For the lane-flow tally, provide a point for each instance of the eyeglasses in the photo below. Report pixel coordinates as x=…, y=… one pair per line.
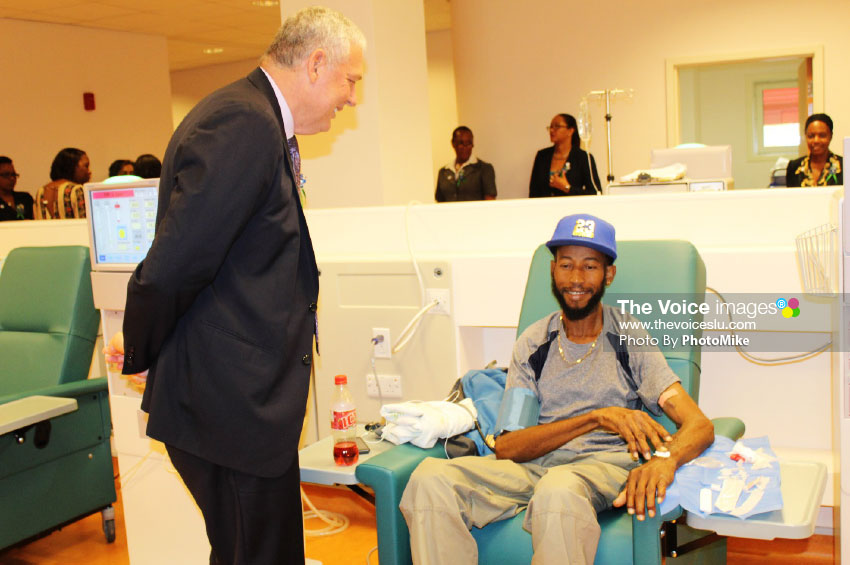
x=9, y=175
x=550, y=128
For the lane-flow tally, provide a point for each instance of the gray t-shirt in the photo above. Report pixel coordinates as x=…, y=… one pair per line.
x=565, y=389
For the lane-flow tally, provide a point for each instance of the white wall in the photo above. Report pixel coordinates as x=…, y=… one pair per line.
x=379, y=152
x=518, y=65
x=46, y=68
x=746, y=238
x=189, y=86
x=442, y=99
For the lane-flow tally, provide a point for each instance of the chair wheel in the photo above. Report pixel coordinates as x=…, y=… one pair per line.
x=108, y=519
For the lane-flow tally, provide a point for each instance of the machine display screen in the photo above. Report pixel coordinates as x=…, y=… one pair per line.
x=122, y=219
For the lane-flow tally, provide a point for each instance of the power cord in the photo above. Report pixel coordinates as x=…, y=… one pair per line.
x=772, y=361
x=410, y=329
x=336, y=522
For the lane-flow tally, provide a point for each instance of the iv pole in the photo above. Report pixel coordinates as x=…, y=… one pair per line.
x=608, y=94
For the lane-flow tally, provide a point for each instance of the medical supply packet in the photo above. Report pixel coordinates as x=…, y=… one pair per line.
x=731, y=478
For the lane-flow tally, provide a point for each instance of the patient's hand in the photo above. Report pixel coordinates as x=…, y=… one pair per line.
x=644, y=484
x=634, y=426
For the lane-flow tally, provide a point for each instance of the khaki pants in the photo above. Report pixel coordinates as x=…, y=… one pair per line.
x=562, y=491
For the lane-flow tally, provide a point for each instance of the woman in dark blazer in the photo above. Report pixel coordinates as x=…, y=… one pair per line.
x=563, y=169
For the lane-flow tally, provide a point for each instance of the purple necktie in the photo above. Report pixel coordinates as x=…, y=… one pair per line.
x=292, y=142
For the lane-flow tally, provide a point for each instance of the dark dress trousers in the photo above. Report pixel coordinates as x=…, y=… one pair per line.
x=578, y=177
x=222, y=309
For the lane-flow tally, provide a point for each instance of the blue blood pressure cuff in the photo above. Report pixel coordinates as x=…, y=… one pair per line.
x=519, y=410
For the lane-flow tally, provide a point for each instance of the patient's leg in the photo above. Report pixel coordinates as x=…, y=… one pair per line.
x=562, y=513
x=445, y=498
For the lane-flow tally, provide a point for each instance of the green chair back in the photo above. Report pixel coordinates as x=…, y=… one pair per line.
x=48, y=322
x=646, y=271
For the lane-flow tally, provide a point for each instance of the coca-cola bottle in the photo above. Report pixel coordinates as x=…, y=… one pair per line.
x=343, y=423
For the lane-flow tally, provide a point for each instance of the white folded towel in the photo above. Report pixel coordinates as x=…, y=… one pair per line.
x=421, y=423
x=672, y=172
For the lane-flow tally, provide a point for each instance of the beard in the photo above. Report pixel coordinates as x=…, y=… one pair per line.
x=575, y=314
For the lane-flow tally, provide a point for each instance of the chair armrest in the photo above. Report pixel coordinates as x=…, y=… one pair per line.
x=31, y=410
x=387, y=474
x=733, y=428
x=71, y=389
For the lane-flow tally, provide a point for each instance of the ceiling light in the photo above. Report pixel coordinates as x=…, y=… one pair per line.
x=265, y=3
x=213, y=50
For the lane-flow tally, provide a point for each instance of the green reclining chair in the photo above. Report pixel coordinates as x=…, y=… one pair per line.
x=662, y=268
x=55, y=458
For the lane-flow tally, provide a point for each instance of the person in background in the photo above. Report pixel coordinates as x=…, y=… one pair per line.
x=564, y=169
x=63, y=196
x=468, y=177
x=121, y=167
x=13, y=205
x=147, y=166
x=221, y=313
x=821, y=167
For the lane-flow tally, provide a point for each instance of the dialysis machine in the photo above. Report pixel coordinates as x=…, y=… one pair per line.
x=160, y=515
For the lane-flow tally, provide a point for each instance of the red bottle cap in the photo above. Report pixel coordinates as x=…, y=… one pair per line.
x=340, y=380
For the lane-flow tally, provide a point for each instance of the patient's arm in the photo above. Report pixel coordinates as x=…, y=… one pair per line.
x=634, y=426
x=651, y=479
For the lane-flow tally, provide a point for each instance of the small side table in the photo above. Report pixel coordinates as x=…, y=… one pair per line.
x=802, y=487
x=317, y=463
x=318, y=467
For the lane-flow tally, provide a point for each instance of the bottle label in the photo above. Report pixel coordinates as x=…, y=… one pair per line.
x=344, y=420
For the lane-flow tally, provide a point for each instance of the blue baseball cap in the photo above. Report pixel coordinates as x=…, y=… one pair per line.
x=587, y=231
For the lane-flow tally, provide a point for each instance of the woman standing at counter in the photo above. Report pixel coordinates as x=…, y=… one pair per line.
x=565, y=168
x=821, y=167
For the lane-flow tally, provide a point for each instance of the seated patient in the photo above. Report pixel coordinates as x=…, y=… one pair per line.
x=585, y=452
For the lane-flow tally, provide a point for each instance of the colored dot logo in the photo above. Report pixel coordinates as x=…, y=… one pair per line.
x=788, y=308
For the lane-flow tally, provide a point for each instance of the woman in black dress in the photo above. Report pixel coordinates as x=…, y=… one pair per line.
x=821, y=167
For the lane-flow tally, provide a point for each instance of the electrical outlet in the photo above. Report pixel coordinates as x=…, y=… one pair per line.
x=441, y=295
x=381, y=349
x=390, y=386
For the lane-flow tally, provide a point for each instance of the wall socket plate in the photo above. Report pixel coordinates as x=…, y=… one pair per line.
x=382, y=349
x=390, y=386
x=441, y=295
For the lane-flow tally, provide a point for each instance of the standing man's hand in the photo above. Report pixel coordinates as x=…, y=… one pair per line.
x=113, y=353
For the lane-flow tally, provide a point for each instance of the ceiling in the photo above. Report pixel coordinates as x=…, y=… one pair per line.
x=240, y=29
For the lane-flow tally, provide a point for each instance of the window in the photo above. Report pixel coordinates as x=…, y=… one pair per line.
x=780, y=125
x=777, y=117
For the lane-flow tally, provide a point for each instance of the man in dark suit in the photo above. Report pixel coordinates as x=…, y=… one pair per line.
x=222, y=311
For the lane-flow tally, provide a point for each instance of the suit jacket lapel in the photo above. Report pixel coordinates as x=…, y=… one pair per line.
x=258, y=78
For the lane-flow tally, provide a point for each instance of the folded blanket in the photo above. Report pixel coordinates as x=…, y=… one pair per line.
x=672, y=172
x=421, y=423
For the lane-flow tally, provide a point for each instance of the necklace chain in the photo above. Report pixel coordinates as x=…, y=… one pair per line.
x=580, y=359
